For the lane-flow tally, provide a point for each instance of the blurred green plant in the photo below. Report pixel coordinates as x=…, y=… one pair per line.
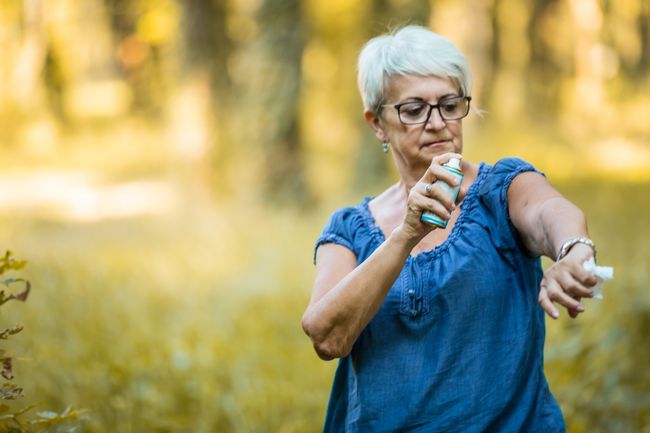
x=17, y=420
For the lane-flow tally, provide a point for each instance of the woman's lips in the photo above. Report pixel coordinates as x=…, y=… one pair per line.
x=435, y=143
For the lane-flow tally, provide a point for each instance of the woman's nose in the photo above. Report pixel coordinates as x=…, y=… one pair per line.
x=435, y=121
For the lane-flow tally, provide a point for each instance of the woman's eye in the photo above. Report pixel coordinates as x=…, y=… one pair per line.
x=450, y=107
x=413, y=109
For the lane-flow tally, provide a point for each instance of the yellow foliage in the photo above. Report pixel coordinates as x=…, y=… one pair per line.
x=159, y=24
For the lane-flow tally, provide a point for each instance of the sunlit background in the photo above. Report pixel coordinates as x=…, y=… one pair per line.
x=166, y=165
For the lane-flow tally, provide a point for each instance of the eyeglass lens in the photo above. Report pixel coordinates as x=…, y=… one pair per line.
x=449, y=109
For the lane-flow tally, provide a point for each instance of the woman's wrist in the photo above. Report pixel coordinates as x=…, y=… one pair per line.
x=403, y=240
x=580, y=242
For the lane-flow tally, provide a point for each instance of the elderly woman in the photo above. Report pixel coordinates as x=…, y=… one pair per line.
x=441, y=330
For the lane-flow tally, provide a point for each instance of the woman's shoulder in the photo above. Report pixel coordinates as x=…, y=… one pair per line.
x=348, y=218
x=511, y=164
x=492, y=207
x=349, y=226
x=369, y=213
x=497, y=178
x=501, y=173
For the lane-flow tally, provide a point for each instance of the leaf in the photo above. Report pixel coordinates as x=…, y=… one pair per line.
x=24, y=410
x=10, y=391
x=9, y=263
x=10, y=421
x=51, y=418
x=5, y=333
x=22, y=296
x=6, y=368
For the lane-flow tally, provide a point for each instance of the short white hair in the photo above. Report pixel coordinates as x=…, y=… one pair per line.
x=411, y=50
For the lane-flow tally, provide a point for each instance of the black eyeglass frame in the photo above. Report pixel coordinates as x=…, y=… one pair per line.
x=431, y=107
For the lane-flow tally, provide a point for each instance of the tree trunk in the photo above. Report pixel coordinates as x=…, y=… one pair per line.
x=28, y=68
x=545, y=75
x=494, y=58
x=644, y=37
x=205, y=43
x=199, y=106
x=273, y=99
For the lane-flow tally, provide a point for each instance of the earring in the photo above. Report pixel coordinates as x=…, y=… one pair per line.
x=385, y=147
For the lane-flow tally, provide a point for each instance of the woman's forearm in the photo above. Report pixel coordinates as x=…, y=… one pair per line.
x=334, y=321
x=559, y=220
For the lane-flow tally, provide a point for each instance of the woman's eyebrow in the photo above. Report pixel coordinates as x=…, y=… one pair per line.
x=413, y=98
x=420, y=99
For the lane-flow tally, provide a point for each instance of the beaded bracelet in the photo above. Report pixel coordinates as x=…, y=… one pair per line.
x=569, y=243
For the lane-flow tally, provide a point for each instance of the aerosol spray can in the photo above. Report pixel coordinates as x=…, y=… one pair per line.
x=453, y=166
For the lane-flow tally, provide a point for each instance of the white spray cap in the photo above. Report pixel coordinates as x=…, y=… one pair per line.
x=453, y=163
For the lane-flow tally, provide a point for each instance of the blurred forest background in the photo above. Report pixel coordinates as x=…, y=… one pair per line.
x=166, y=165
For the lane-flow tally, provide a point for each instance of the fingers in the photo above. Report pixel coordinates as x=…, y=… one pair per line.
x=576, y=278
x=584, y=277
x=437, y=193
x=546, y=303
x=436, y=171
x=429, y=196
x=564, y=284
x=557, y=295
x=574, y=262
x=550, y=308
x=574, y=287
x=445, y=157
x=440, y=204
x=461, y=194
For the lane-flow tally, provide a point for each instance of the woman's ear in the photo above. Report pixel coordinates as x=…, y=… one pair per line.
x=374, y=121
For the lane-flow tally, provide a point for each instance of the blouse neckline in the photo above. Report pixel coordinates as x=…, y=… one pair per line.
x=468, y=203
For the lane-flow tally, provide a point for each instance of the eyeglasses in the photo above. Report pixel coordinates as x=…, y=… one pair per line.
x=415, y=112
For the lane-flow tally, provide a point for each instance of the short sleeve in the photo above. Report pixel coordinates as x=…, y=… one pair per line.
x=494, y=198
x=341, y=229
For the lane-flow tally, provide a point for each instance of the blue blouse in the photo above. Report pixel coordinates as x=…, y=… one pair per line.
x=457, y=345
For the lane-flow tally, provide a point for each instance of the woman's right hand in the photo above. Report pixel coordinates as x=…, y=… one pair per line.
x=436, y=200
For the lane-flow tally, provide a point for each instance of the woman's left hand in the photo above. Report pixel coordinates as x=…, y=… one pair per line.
x=566, y=282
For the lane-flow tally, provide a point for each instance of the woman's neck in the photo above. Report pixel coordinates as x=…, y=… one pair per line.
x=405, y=187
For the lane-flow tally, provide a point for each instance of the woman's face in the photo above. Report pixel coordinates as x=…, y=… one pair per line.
x=414, y=146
